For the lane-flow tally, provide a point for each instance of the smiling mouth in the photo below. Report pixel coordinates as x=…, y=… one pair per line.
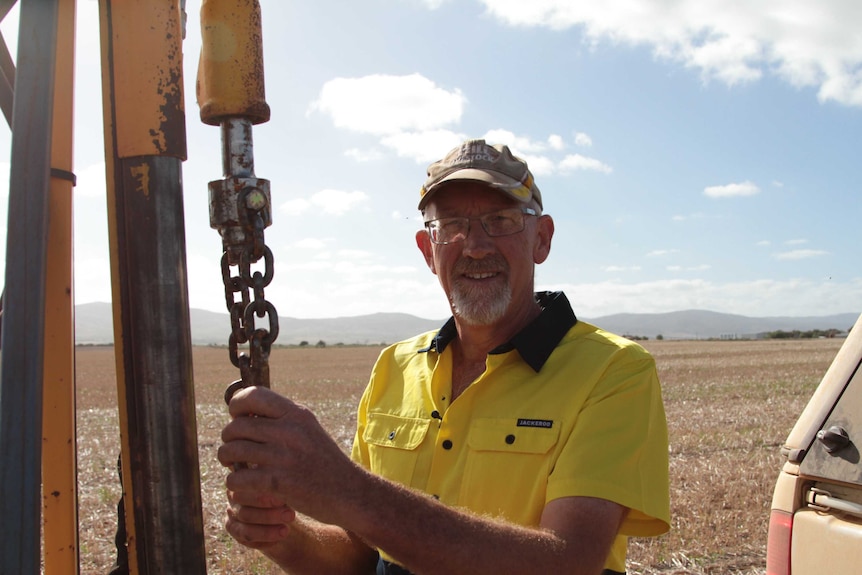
x=482, y=270
x=480, y=276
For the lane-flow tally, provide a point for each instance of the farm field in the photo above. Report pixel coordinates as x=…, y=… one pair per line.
x=729, y=404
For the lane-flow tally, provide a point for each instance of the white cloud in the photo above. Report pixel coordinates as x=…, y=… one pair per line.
x=812, y=44
x=699, y=268
x=731, y=190
x=422, y=147
x=519, y=145
x=427, y=145
x=318, y=264
x=579, y=162
x=583, y=140
x=538, y=154
x=332, y=202
x=357, y=254
x=728, y=59
x=295, y=206
x=757, y=298
x=556, y=142
x=621, y=269
x=381, y=104
x=363, y=156
x=540, y=165
x=534, y=152
x=685, y=217
x=360, y=290
x=337, y=202
x=800, y=254
x=659, y=253
x=433, y=4
x=311, y=244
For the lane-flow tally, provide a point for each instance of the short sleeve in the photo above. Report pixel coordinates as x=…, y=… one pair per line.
x=618, y=447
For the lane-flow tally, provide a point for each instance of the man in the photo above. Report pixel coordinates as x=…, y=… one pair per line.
x=517, y=439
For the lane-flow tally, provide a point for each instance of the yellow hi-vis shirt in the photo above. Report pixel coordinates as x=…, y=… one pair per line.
x=564, y=410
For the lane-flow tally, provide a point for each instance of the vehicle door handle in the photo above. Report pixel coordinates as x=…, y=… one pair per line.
x=834, y=439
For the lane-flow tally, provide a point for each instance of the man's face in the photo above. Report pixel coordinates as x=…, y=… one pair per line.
x=487, y=279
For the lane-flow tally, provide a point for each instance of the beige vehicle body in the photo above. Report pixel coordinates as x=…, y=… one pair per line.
x=815, y=524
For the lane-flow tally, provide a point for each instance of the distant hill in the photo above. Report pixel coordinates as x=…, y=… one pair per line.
x=701, y=324
x=93, y=325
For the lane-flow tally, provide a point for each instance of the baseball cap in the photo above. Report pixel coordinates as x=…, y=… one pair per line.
x=493, y=165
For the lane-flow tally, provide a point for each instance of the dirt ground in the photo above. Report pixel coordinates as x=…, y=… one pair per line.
x=730, y=405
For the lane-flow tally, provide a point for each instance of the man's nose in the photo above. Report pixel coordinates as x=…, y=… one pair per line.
x=478, y=243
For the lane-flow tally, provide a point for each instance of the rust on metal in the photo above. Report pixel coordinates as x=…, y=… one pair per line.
x=147, y=64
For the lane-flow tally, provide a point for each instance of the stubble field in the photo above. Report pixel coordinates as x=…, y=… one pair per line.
x=729, y=404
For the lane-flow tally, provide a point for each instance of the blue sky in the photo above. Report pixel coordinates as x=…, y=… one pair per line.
x=694, y=155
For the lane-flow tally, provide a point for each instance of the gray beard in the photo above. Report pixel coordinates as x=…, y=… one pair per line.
x=480, y=306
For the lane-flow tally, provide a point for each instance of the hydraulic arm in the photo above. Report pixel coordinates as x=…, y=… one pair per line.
x=231, y=95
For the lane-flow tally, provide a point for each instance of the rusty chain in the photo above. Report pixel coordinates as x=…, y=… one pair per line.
x=254, y=365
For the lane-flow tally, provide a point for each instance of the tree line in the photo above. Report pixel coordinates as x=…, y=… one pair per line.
x=810, y=334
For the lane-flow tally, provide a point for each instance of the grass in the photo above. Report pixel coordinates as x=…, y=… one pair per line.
x=729, y=404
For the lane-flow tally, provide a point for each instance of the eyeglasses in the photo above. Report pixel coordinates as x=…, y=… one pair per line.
x=503, y=223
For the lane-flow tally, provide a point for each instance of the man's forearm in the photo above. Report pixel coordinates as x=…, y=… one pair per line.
x=312, y=548
x=298, y=465
x=430, y=538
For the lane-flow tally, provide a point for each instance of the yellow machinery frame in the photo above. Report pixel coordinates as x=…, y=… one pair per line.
x=145, y=144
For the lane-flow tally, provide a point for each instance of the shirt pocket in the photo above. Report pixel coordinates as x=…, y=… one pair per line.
x=507, y=469
x=393, y=444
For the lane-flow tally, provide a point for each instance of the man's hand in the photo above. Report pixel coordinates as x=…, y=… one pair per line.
x=293, y=464
x=258, y=521
x=290, y=464
x=290, y=459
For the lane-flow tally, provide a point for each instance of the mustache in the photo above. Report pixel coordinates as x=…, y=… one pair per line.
x=492, y=263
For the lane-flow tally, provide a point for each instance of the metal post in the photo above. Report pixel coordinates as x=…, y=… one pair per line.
x=59, y=444
x=145, y=145
x=24, y=309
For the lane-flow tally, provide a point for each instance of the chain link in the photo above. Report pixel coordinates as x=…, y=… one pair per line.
x=253, y=365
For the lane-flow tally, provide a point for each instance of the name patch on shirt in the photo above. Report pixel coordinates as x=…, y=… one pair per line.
x=546, y=423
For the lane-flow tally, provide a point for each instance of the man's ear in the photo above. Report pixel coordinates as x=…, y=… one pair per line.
x=544, y=235
x=423, y=241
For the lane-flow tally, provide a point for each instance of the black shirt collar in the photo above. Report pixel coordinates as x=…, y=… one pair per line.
x=536, y=341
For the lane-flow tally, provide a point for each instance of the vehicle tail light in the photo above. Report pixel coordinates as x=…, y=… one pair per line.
x=778, y=543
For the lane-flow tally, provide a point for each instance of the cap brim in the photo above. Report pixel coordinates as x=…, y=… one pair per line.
x=511, y=187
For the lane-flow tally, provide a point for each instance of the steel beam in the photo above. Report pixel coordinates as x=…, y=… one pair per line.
x=59, y=437
x=24, y=309
x=144, y=148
